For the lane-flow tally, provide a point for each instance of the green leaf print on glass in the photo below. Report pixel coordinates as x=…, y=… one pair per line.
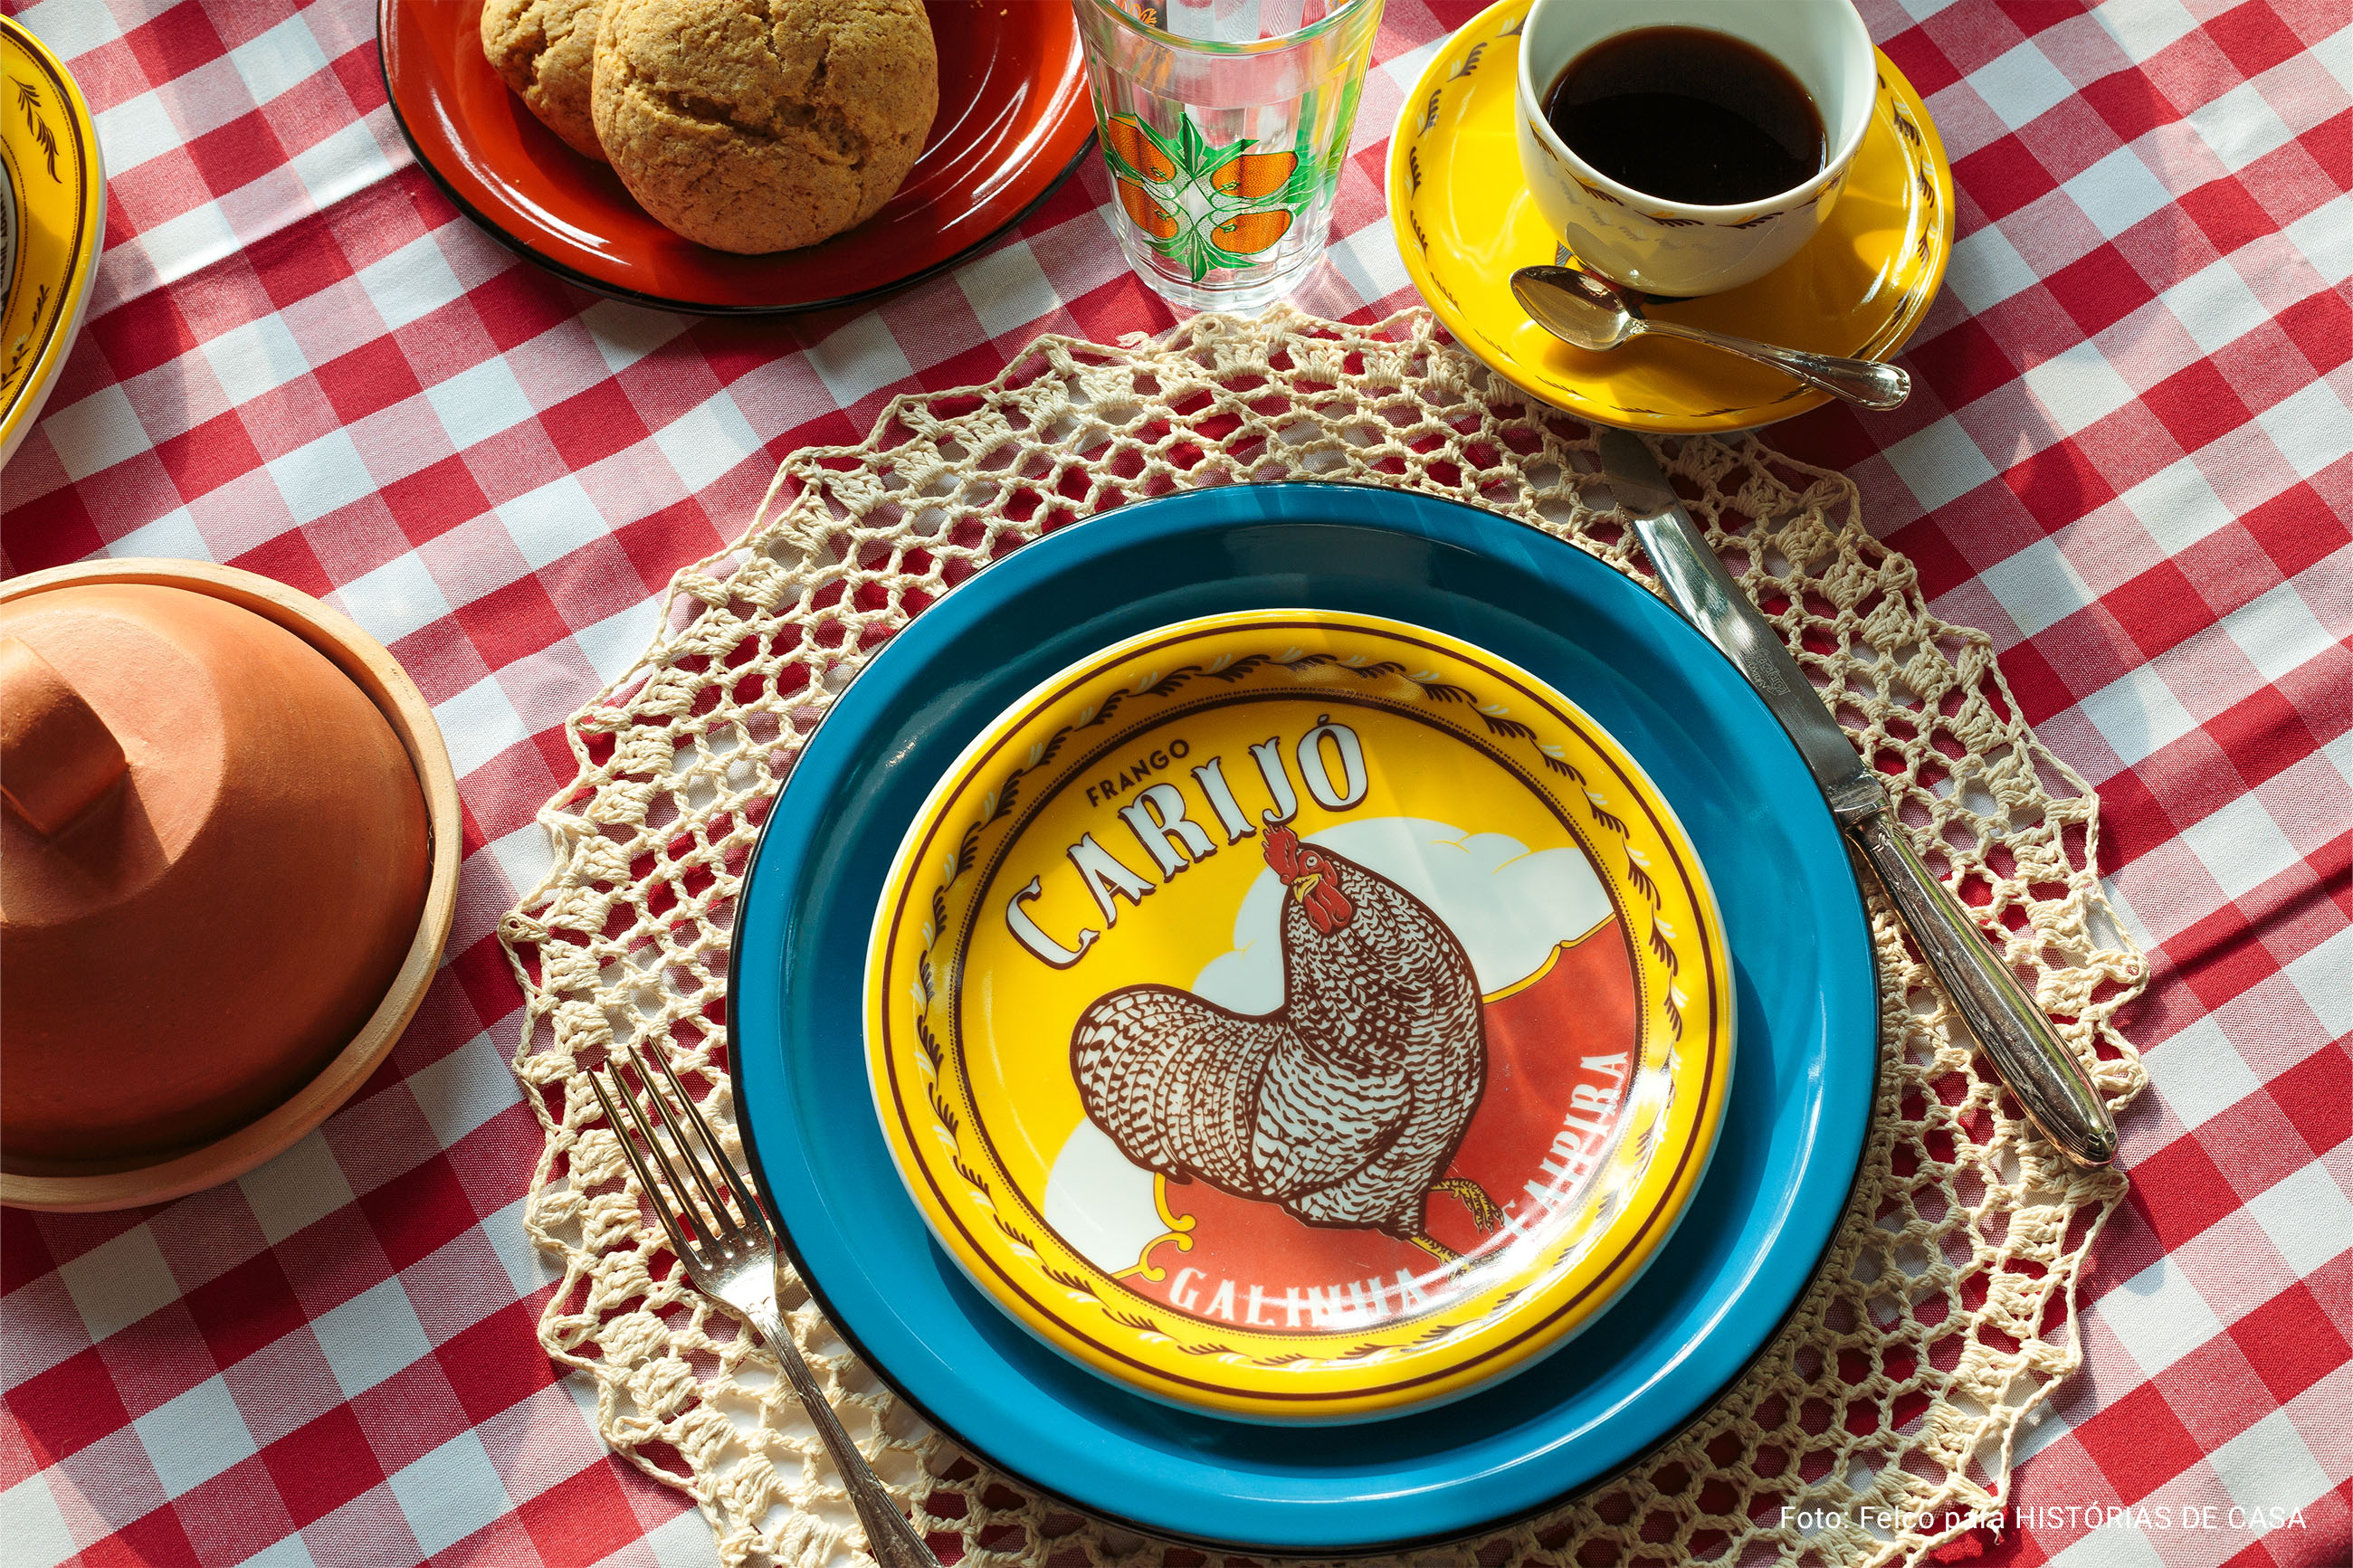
x=1342, y=128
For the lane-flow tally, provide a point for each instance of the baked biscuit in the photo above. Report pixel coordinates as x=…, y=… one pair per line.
x=759, y=125
x=546, y=51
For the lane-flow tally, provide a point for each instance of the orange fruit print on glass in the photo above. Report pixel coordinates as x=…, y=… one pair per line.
x=1202, y=205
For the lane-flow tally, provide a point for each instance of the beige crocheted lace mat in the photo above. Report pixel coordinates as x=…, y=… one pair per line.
x=1947, y=1307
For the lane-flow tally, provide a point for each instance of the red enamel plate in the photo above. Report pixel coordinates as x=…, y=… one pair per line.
x=1014, y=121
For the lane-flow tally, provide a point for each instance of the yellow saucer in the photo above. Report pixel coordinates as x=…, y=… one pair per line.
x=1298, y=1015
x=1464, y=221
x=59, y=218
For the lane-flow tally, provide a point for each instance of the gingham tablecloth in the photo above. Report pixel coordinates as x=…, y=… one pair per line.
x=2128, y=457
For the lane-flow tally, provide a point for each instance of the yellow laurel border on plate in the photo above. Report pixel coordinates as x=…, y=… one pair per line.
x=1655, y=882
x=1900, y=153
x=59, y=178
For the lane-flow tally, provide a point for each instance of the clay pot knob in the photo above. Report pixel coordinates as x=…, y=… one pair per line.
x=57, y=755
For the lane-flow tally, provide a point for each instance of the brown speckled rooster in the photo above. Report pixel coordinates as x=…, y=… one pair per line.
x=1345, y=1104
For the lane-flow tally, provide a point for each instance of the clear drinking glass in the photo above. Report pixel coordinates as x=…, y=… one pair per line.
x=1225, y=123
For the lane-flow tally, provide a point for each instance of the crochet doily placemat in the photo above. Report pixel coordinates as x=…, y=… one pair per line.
x=1945, y=1310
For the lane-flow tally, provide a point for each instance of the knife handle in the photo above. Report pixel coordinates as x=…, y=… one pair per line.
x=2036, y=1064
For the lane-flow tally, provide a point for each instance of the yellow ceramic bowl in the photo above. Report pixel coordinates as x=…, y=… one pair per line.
x=57, y=204
x=1465, y=221
x=1299, y=1016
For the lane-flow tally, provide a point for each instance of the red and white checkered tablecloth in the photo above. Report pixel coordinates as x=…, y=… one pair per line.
x=2130, y=456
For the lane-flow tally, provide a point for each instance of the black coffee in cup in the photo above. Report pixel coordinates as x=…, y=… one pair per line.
x=1688, y=115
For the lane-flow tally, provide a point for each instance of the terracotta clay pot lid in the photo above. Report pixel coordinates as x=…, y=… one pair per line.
x=106, y=807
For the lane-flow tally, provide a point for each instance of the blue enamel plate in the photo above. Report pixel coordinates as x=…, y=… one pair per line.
x=1748, y=1244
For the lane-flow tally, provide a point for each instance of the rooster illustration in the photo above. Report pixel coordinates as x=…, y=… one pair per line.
x=1344, y=1104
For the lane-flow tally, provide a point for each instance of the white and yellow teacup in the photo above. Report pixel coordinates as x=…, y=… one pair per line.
x=1671, y=247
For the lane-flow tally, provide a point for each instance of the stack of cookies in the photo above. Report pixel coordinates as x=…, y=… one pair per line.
x=745, y=125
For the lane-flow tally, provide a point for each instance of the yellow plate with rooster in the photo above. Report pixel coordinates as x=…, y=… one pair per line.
x=56, y=216
x=1299, y=1016
x=1465, y=221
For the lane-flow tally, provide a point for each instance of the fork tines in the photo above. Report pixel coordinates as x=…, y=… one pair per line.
x=709, y=1172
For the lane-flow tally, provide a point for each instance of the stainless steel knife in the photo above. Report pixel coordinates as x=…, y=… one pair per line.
x=2040, y=1069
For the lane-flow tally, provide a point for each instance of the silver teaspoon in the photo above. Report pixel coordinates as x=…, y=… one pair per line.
x=1587, y=312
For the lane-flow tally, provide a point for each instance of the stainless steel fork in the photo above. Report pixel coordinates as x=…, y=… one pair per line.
x=730, y=1254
